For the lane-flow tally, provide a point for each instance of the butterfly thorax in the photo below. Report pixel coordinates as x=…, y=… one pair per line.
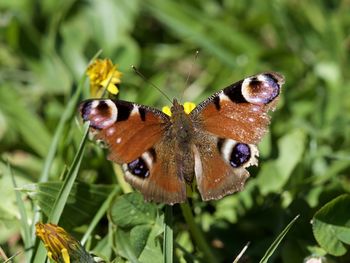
x=181, y=123
x=182, y=132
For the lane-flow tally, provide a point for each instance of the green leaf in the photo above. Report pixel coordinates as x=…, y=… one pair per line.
x=23, y=217
x=83, y=200
x=275, y=174
x=138, y=237
x=331, y=226
x=130, y=210
x=152, y=252
x=138, y=229
x=124, y=247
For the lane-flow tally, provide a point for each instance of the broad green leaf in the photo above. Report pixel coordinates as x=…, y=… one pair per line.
x=130, y=210
x=138, y=237
x=138, y=228
x=276, y=173
x=83, y=201
x=152, y=252
x=124, y=247
x=331, y=225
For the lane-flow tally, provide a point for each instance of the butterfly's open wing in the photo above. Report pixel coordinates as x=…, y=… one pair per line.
x=133, y=134
x=233, y=121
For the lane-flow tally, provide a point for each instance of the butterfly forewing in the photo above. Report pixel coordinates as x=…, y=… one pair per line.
x=239, y=111
x=135, y=136
x=228, y=125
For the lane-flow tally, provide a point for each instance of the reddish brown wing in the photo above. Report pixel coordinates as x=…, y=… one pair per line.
x=215, y=176
x=239, y=112
x=229, y=124
x=135, y=136
x=128, y=129
x=163, y=184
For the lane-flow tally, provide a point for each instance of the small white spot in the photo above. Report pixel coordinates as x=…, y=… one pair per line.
x=251, y=119
x=223, y=97
x=135, y=110
x=119, y=140
x=111, y=131
x=255, y=108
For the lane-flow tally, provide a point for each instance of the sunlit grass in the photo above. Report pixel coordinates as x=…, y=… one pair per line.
x=304, y=159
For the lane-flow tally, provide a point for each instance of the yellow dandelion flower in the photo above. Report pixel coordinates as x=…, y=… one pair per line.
x=188, y=107
x=61, y=246
x=103, y=75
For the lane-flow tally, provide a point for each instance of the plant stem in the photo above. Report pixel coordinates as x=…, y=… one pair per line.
x=168, y=241
x=197, y=234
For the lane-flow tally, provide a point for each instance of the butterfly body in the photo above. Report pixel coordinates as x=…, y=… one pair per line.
x=215, y=143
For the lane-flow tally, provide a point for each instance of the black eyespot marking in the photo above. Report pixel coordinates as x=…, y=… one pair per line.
x=142, y=112
x=124, y=110
x=103, y=108
x=138, y=168
x=240, y=155
x=234, y=93
x=101, y=113
x=261, y=89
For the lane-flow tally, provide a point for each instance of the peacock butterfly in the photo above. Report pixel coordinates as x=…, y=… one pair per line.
x=215, y=143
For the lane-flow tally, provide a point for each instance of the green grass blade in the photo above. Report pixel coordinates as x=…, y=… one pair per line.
x=241, y=253
x=65, y=119
x=61, y=200
x=24, y=219
x=168, y=241
x=67, y=116
x=100, y=213
x=197, y=233
x=277, y=241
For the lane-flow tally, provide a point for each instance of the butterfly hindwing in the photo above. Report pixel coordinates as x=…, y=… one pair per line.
x=164, y=183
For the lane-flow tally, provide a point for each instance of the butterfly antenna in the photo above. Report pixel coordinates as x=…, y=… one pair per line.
x=190, y=72
x=149, y=82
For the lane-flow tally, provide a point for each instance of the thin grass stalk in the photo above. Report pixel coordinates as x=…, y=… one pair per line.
x=168, y=240
x=197, y=234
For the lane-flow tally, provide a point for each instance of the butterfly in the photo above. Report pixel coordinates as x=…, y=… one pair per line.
x=214, y=143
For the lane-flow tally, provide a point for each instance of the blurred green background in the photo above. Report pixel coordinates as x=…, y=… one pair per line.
x=45, y=47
